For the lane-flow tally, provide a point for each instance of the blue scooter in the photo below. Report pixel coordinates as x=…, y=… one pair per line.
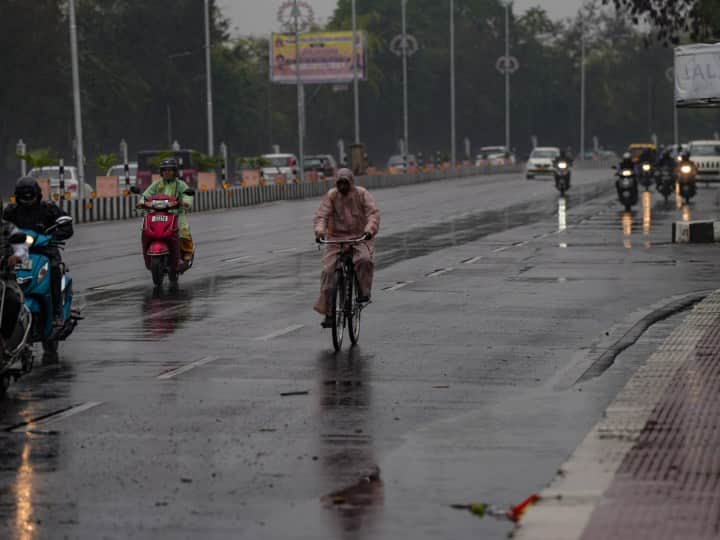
x=34, y=280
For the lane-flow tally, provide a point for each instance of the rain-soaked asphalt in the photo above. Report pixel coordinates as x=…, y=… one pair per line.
x=166, y=417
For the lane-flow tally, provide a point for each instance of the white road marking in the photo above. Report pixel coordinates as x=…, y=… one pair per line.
x=439, y=272
x=236, y=259
x=473, y=260
x=76, y=409
x=278, y=333
x=286, y=250
x=184, y=369
x=398, y=286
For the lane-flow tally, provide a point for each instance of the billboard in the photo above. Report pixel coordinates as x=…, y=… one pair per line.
x=697, y=75
x=325, y=57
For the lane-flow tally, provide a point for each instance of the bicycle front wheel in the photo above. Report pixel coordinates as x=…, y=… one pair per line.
x=354, y=311
x=337, y=310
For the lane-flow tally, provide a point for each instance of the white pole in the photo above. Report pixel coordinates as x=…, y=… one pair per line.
x=300, y=96
x=507, y=77
x=211, y=142
x=403, y=4
x=452, y=84
x=582, y=88
x=76, y=99
x=356, y=90
x=21, y=150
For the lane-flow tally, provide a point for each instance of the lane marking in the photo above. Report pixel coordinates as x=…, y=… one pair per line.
x=439, y=272
x=184, y=369
x=283, y=332
x=286, y=250
x=51, y=418
x=398, y=286
x=236, y=259
x=472, y=261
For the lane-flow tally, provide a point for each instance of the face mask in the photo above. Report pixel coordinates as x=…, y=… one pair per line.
x=343, y=187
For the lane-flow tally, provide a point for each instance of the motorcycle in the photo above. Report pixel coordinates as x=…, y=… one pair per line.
x=34, y=280
x=16, y=358
x=646, y=175
x=627, y=187
x=686, y=179
x=665, y=182
x=160, y=240
x=562, y=176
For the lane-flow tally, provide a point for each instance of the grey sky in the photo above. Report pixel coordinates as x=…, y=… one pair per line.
x=258, y=16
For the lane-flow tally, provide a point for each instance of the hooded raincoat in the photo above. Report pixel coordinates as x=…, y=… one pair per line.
x=342, y=217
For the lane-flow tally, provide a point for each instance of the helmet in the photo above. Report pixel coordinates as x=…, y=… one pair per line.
x=27, y=191
x=626, y=155
x=169, y=164
x=345, y=174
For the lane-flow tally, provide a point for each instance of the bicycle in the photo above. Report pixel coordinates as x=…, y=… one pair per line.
x=344, y=306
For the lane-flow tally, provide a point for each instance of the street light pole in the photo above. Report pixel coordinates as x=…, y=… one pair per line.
x=403, y=5
x=356, y=94
x=211, y=142
x=582, y=88
x=76, y=99
x=300, y=95
x=452, y=83
x=507, y=77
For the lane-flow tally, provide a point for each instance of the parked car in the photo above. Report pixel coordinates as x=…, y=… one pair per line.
x=494, y=156
x=119, y=171
x=706, y=157
x=324, y=164
x=279, y=164
x=53, y=174
x=399, y=163
x=540, y=162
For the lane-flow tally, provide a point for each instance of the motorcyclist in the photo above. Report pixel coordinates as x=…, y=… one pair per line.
x=170, y=184
x=565, y=156
x=684, y=159
x=627, y=162
x=30, y=212
x=666, y=161
x=347, y=211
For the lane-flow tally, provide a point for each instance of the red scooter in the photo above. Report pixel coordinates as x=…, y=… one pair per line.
x=160, y=241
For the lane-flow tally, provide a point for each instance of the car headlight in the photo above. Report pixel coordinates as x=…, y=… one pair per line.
x=686, y=169
x=43, y=272
x=627, y=172
x=646, y=167
x=562, y=165
x=29, y=241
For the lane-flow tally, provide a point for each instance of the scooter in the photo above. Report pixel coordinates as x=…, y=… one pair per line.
x=160, y=240
x=16, y=358
x=686, y=179
x=665, y=182
x=562, y=176
x=646, y=174
x=34, y=280
x=627, y=188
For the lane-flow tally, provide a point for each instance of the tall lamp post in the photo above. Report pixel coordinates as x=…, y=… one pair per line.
x=356, y=95
x=76, y=99
x=582, y=88
x=403, y=4
x=208, y=70
x=452, y=84
x=300, y=94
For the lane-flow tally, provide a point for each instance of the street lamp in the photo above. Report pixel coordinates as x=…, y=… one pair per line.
x=452, y=83
x=211, y=143
x=582, y=88
x=356, y=95
x=76, y=99
x=403, y=4
x=300, y=94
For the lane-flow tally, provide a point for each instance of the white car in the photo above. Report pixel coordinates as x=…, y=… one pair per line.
x=280, y=164
x=119, y=171
x=494, y=156
x=706, y=157
x=53, y=174
x=540, y=162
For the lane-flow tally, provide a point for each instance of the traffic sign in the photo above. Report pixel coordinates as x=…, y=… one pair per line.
x=397, y=45
x=286, y=15
x=507, y=64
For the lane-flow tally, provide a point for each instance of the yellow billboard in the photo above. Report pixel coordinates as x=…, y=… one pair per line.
x=325, y=57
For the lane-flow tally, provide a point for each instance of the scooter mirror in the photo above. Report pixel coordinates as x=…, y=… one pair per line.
x=189, y=192
x=135, y=190
x=64, y=220
x=17, y=238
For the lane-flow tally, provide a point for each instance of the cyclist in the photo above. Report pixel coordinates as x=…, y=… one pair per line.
x=347, y=211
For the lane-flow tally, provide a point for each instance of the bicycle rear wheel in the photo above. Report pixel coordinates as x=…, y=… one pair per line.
x=353, y=310
x=337, y=310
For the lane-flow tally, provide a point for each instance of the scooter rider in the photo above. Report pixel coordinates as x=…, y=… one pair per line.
x=170, y=184
x=563, y=156
x=31, y=212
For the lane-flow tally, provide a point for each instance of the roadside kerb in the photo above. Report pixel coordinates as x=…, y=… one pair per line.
x=581, y=486
x=112, y=209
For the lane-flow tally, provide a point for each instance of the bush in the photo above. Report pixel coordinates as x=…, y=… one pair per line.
x=105, y=161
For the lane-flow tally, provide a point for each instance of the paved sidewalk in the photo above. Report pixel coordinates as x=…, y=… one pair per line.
x=650, y=469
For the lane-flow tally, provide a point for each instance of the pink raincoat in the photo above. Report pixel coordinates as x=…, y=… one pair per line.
x=342, y=217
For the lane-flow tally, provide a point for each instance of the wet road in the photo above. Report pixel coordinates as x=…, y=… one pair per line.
x=167, y=419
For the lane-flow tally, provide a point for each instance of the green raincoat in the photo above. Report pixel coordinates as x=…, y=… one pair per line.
x=175, y=188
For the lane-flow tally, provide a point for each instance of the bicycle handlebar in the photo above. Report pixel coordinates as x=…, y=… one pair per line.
x=350, y=241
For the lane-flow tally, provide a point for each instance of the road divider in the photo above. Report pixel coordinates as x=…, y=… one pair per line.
x=120, y=208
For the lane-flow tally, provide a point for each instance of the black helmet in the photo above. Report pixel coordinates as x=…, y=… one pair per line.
x=169, y=164
x=27, y=191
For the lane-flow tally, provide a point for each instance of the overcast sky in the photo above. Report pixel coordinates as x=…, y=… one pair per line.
x=258, y=16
